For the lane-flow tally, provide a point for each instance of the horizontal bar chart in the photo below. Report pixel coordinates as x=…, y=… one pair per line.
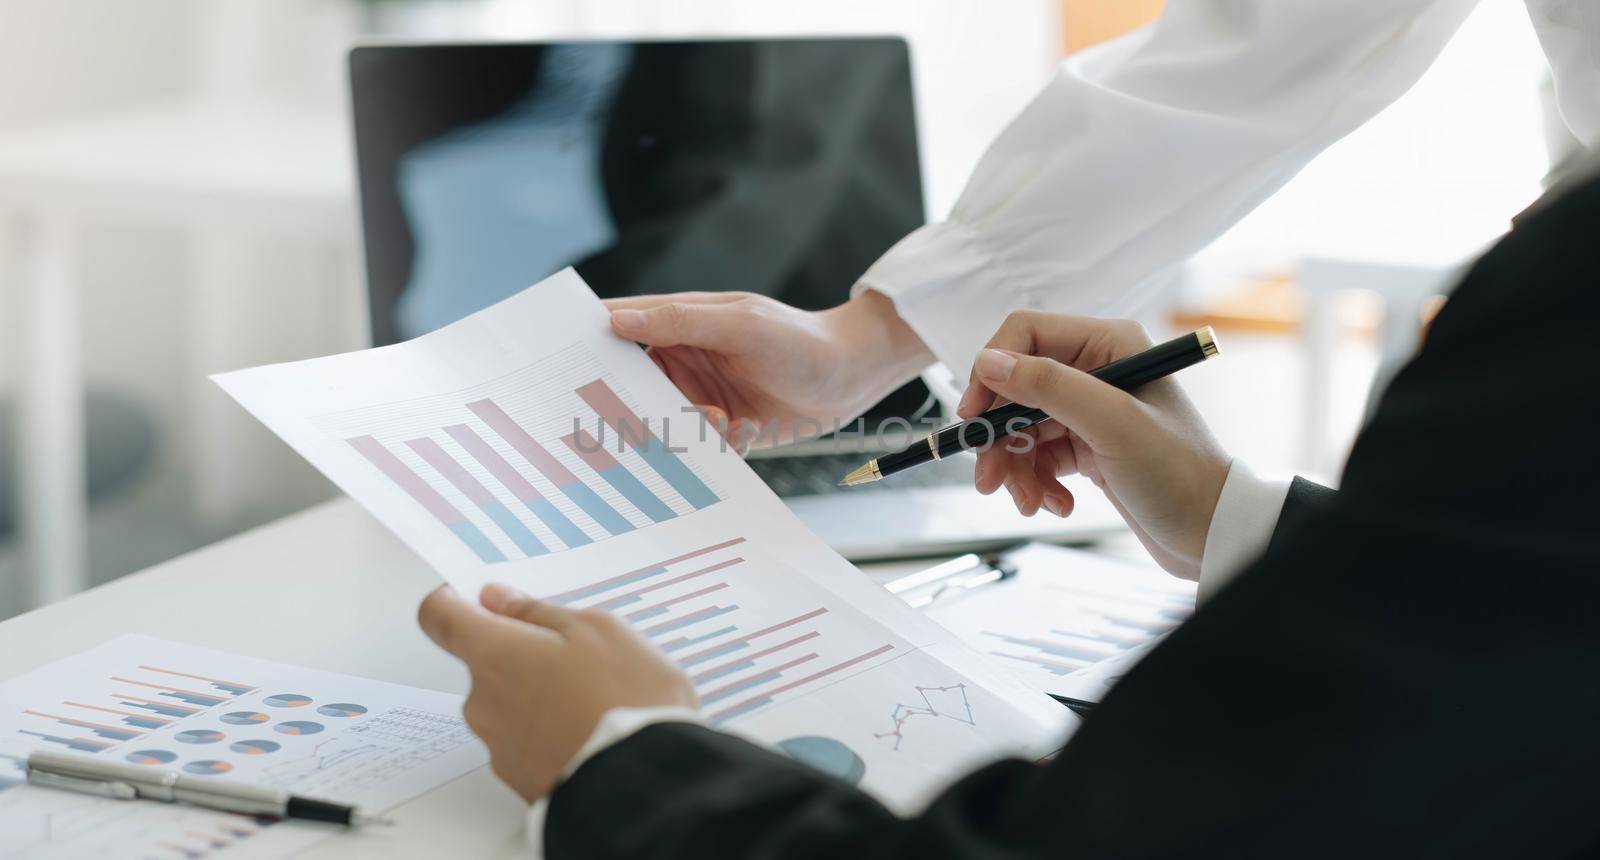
x=127, y=708
x=1094, y=616
x=728, y=622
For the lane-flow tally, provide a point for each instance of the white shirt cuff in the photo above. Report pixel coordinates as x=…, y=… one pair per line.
x=615, y=725
x=952, y=292
x=1246, y=515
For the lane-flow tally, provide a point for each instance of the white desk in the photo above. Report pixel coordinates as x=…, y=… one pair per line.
x=328, y=588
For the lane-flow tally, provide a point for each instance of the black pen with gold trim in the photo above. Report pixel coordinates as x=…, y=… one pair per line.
x=1127, y=374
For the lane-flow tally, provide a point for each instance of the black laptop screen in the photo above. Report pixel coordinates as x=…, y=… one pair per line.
x=784, y=167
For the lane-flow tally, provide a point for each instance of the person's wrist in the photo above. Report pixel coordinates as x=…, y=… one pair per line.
x=1211, y=476
x=878, y=339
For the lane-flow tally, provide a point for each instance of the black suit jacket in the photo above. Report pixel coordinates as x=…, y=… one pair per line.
x=1412, y=669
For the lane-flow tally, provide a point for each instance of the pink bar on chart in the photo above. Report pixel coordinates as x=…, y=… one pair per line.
x=714, y=671
x=807, y=679
x=452, y=471
x=512, y=432
x=759, y=633
x=590, y=451
x=623, y=598
x=668, y=604
x=713, y=695
x=496, y=464
x=633, y=575
x=610, y=407
x=398, y=472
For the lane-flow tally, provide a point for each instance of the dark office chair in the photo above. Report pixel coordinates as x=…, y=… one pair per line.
x=121, y=445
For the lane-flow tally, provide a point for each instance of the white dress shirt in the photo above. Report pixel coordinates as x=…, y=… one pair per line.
x=1141, y=151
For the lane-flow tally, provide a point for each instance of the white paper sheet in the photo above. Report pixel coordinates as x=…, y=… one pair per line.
x=455, y=441
x=144, y=700
x=1070, y=623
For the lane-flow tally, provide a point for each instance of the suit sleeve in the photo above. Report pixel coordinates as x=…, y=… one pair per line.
x=1338, y=699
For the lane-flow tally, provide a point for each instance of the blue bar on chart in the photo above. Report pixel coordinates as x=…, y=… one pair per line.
x=765, y=697
x=191, y=697
x=739, y=644
x=110, y=733
x=478, y=494
x=594, y=455
x=520, y=441
x=163, y=708
x=426, y=496
x=665, y=606
x=746, y=661
x=636, y=433
x=1065, y=650
x=695, y=617
x=739, y=686
x=232, y=688
x=79, y=744
x=138, y=721
x=521, y=487
x=640, y=574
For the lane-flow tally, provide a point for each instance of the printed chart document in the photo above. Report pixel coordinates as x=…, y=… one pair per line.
x=1070, y=623
x=151, y=702
x=528, y=444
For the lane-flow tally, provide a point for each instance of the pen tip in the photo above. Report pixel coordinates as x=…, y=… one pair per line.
x=864, y=474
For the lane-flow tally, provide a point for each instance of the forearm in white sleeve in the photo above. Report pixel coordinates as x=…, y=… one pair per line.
x=1141, y=151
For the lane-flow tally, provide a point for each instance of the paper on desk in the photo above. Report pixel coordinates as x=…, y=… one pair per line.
x=203, y=712
x=1070, y=623
x=492, y=447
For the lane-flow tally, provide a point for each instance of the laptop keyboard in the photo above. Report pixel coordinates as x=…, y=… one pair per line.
x=820, y=474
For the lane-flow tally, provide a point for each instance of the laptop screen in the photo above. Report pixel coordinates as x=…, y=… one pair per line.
x=783, y=167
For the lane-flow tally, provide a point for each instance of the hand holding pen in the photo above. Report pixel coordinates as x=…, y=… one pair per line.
x=1149, y=450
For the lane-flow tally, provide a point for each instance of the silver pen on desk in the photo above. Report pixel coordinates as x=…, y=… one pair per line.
x=120, y=781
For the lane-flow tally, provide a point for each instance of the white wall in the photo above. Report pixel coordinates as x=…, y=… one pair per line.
x=61, y=57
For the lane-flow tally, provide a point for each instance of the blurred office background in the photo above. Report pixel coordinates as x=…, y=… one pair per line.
x=176, y=199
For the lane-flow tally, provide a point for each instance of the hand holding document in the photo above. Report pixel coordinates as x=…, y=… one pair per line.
x=527, y=444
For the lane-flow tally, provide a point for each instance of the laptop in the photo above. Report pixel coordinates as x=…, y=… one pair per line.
x=778, y=166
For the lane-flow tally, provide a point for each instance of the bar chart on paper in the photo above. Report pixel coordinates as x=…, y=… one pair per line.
x=547, y=458
x=175, y=708
x=1068, y=611
x=747, y=631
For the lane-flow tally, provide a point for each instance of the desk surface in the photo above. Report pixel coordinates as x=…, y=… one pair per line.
x=352, y=590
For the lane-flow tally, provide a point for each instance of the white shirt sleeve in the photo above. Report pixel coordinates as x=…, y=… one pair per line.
x=1141, y=151
x=1241, y=527
x=615, y=726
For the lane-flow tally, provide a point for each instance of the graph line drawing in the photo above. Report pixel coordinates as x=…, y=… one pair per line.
x=937, y=702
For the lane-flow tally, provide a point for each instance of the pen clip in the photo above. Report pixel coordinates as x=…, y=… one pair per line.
x=97, y=787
